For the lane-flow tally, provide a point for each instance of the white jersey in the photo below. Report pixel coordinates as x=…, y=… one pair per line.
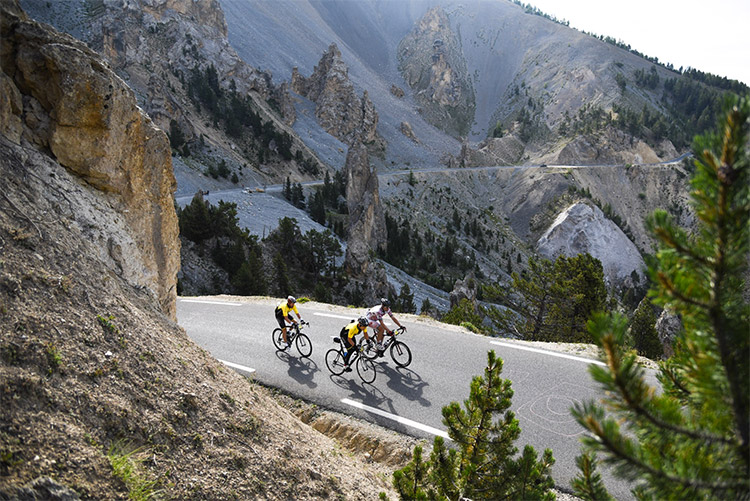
x=376, y=313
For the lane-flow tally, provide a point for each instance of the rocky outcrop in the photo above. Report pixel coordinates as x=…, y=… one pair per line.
x=366, y=233
x=431, y=62
x=154, y=45
x=506, y=150
x=464, y=289
x=581, y=229
x=407, y=131
x=338, y=109
x=64, y=100
x=366, y=219
x=612, y=147
x=668, y=326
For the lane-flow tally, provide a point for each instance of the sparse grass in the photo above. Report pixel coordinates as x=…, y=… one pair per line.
x=126, y=465
x=9, y=459
x=227, y=397
x=198, y=441
x=108, y=324
x=54, y=359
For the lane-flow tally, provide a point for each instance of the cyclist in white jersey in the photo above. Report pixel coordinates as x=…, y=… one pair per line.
x=375, y=317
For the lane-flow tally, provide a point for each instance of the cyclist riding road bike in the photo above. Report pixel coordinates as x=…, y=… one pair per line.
x=347, y=335
x=375, y=320
x=283, y=315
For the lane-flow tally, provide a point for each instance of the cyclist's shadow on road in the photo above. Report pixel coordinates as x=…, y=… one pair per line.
x=300, y=369
x=405, y=382
x=367, y=393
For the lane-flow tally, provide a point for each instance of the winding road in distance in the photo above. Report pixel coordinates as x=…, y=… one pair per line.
x=445, y=359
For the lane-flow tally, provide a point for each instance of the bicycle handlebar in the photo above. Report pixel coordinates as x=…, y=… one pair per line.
x=399, y=330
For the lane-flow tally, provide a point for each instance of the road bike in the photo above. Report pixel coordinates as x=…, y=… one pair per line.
x=335, y=361
x=399, y=351
x=295, y=336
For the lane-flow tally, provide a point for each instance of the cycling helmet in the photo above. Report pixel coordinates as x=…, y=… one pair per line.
x=362, y=322
x=291, y=299
x=385, y=302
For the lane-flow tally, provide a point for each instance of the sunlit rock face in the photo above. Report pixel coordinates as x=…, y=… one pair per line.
x=582, y=228
x=74, y=108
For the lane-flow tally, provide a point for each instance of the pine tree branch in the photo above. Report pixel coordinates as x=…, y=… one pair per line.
x=634, y=403
x=672, y=289
x=594, y=426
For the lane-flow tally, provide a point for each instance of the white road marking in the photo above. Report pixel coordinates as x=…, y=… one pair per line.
x=551, y=353
x=393, y=417
x=209, y=302
x=237, y=366
x=335, y=316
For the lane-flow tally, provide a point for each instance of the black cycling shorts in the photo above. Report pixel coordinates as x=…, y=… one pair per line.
x=280, y=317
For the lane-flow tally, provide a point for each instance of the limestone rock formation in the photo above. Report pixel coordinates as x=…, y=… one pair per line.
x=155, y=45
x=367, y=231
x=506, y=150
x=338, y=109
x=366, y=218
x=407, y=131
x=582, y=228
x=431, y=61
x=668, y=327
x=464, y=289
x=75, y=108
x=397, y=91
x=610, y=147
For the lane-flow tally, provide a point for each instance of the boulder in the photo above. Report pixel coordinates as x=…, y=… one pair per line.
x=582, y=228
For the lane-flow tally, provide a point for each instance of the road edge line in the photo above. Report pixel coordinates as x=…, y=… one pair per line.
x=551, y=353
x=394, y=417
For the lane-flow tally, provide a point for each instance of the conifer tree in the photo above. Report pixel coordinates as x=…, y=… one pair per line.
x=482, y=464
x=643, y=331
x=689, y=440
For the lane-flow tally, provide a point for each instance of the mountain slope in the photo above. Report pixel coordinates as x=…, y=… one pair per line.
x=525, y=71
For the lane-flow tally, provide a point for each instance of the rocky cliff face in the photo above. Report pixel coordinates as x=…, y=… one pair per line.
x=431, y=62
x=145, y=40
x=61, y=98
x=366, y=219
x=338, y=109
x=581, y=229
x=611, y=147
x=164, y=49
x=493, y=151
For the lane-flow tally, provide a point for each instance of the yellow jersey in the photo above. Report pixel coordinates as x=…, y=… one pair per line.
x=285, y=309
x=353, y=329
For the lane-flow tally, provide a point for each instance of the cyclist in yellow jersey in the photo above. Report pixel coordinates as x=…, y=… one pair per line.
x=283, y=315
x=347, y=338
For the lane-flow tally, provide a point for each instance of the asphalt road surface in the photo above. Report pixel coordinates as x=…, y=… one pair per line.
x=409, y=400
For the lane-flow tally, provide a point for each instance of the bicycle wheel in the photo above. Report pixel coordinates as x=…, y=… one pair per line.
x=304, y=345
x=400, y=353
x=278, y=339
x=366, y=369
x=335, y=362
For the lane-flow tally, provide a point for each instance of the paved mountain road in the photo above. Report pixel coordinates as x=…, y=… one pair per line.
x=410, y=400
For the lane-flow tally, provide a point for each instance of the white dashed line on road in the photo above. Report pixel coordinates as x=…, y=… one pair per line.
x=224, y=303
x=237, y=366
x=331, y=315
x=546, y=352
x=394, y=417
